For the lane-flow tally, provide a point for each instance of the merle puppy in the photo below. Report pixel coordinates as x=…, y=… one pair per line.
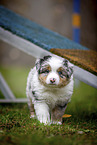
x=49, y=89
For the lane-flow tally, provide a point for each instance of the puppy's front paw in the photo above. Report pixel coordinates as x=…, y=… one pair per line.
x=32, y=115
x=44, y=118
x=56, y=122
x=42, y=112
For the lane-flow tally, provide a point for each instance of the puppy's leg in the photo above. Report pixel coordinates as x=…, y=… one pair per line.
x=30, y=103
x=29, y=93
x=57, y=113
x=32, y=111
x=31, y=108
x=42, y=112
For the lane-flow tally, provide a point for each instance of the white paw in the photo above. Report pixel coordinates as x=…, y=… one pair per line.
x=56, y=122
x=44, y=119
x=32, y=116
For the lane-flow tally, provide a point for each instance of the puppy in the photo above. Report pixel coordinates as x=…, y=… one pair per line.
x=49, y=89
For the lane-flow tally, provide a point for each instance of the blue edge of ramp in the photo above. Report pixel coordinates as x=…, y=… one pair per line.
x=34, y=33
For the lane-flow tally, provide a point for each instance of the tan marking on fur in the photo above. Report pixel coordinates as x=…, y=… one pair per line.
x=48, y=67
x=42, y=77
x=32, y=111
x=60, y=69
x=63, y=81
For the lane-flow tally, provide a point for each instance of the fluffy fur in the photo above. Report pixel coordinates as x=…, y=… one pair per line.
x=49, y=88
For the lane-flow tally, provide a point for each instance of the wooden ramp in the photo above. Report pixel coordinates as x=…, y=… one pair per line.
x=86, y=59
x=38, y=41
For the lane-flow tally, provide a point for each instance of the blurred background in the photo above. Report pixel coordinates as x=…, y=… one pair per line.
x=15, y=65
x=55, y=15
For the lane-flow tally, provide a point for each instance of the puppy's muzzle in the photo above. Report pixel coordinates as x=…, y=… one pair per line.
x=52, y=80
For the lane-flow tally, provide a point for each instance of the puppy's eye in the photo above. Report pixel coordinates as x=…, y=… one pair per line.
x=47, y=71
x=44, y=71
x=62, y=74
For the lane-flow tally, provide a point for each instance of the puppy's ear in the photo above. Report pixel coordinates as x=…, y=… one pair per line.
x=40, y=61
x=69, y=67
x=37, y=64
x=65, y=62
x=69, y=71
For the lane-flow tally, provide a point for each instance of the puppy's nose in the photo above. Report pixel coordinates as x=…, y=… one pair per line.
x=52, y=80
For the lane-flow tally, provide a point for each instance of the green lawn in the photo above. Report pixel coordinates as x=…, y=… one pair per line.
x=16, y=128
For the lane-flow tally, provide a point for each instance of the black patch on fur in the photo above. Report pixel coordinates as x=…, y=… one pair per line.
x=65, y=62
x=45, y=58
x=34, y=95
x=41, y=61
x=33, y=92
x=68, y=70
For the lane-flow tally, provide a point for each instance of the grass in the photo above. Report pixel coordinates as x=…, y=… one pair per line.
x=16, y=127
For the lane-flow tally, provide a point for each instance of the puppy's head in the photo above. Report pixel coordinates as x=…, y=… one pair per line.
x=54, y=71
